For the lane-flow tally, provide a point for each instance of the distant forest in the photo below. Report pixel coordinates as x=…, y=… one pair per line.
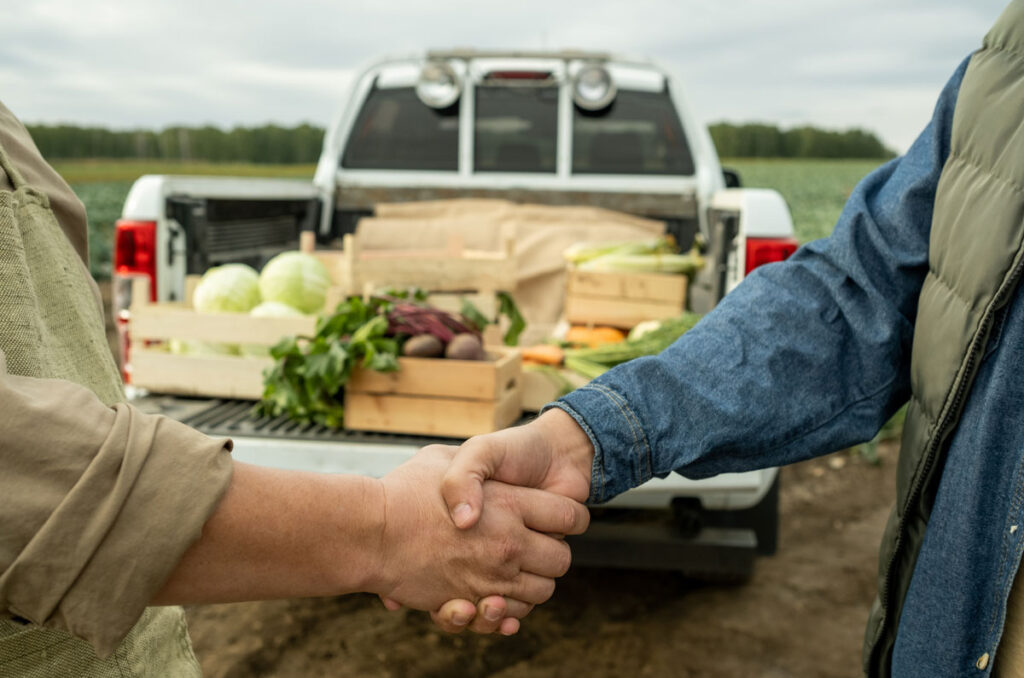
x=285, y=145
x=756, y=140
x=268, y=144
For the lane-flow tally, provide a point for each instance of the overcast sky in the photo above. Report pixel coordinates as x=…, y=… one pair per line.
x=876, y=64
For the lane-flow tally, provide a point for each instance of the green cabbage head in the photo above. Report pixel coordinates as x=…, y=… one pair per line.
x=296, y=279
x=231, y=288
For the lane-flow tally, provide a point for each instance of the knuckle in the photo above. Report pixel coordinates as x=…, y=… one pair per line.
x=570, y=518
x=564, y=559
x=546, y=589
x=508, y=550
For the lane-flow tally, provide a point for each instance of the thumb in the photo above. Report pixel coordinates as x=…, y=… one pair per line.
x=463, y=483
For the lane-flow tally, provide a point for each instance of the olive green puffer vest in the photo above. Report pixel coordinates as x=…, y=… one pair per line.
x=975, y=262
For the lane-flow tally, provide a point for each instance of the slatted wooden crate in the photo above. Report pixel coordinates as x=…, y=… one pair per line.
x=622, y=299
x=155, y=368
x=437, y=396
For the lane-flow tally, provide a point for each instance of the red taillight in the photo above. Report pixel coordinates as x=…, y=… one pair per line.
x=135, y=250
x=767, y=250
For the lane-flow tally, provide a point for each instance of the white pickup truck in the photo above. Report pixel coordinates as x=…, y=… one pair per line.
x=555, y=128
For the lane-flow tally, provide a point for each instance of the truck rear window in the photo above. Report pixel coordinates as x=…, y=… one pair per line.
x=395, y=130
x=516, y=129
x=638, y=134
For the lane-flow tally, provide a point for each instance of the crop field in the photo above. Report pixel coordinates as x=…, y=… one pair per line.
x=814, y=189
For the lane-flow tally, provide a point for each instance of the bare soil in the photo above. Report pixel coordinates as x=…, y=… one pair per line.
x=802, y=613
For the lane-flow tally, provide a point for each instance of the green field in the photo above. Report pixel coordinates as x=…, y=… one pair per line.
x=814, y=189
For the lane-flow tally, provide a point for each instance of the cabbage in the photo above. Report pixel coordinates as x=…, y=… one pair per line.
x=296, y=279
x=275, y=309
x=268, y=309
x=231, y=288
x=194, y=347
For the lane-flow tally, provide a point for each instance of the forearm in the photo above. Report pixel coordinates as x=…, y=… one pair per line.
x=279, y=534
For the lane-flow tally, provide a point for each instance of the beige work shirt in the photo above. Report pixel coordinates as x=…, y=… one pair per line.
x=99, y=502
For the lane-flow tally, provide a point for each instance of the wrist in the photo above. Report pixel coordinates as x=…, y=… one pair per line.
x=570, y=444
x=356, y=555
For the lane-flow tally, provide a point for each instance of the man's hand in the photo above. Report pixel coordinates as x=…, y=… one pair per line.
x=426, y=560
x=550, y=453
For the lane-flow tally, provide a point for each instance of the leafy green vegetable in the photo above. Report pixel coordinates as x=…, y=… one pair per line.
x=517, y=323
x=471, y=313
x=309, y=372
x=506, y=307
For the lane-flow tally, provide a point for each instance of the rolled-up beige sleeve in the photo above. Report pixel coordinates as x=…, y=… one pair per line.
x=98, y=505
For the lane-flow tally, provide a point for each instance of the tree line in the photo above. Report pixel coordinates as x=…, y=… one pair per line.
x=283, y=145
x=758, y=140
x=270, y=144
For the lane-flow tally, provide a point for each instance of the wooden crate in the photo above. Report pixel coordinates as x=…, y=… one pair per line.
x=154, y=368
x=357, y=270
x=476, y=275
x=622, y=299
x=437, y=396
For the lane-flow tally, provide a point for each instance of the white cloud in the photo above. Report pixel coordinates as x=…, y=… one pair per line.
x=877, y=64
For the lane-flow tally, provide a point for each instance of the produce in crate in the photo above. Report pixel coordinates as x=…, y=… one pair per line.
x=592, y=337
x=297, y=279
x=636, y=256
x=307, y=378
x=543, y=354
x=593, y=362
x=231, y=288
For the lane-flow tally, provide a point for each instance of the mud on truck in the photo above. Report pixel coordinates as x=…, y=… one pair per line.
x=547, y=128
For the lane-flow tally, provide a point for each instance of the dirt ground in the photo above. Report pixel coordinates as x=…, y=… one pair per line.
x=802, y=613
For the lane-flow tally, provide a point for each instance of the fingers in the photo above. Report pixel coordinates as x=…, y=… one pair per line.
x=493, y=614
x=462, y=486
x=390, y=604
x=509, y=626
x=551, y=513
x=545, y=556
x=455, y=615
x=531, y=588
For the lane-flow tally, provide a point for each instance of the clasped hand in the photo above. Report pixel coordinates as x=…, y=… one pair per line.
x=511, y=497
x=512, y=551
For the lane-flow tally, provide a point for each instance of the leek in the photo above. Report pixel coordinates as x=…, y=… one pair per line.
x=681, y=264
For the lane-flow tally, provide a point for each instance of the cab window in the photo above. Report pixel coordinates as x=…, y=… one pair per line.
x=395, y=130
x=639, y=133
x=515, y=129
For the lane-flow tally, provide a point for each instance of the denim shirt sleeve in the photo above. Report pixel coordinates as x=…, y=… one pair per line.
x=803, y=358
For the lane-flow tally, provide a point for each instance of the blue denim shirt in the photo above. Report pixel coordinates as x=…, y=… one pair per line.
x=812, y=355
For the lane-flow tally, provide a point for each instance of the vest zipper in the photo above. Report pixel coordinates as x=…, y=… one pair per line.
x=1000, y=300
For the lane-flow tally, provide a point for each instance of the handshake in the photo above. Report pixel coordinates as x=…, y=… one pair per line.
x=474, y=534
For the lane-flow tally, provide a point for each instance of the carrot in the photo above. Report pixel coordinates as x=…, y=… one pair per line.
x=543, y=354
x=592, y=337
